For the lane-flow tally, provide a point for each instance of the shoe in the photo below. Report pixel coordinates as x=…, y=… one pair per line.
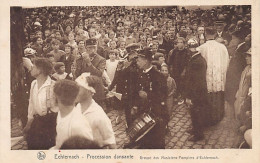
x=195, y=138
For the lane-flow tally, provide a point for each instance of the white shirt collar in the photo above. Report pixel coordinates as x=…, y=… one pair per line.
x=46, y=83
x=92, y=107
x=220, y=33
x=147, y=70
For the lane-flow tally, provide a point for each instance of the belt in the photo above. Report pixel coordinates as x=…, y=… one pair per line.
x=37, y=115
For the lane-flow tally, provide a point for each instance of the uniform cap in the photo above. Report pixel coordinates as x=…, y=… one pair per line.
x=146, y=53
x=91, y=42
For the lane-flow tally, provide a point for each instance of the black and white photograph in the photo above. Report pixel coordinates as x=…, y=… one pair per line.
x=131, y=77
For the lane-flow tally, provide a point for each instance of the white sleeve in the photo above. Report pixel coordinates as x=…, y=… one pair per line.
x=108, y=81
x=202, y=49
x=106, y=131
x=54, y=105
x=30, y=107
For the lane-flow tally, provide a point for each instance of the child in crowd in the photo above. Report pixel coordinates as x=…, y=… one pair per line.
x=111, y=64
x=60, y=73
x=38, y=46
x=47, y=34
x=177, y=61
x=122, y=51
x=70, y=120
x=160, y=58
x=156, y=65
x=50, y=57
x=149, y=42
x=81, y=35
x=112, y=45
x=71, y=40
x=57, y=53
x=71, y=75
x=171, y=89
x=201, y=35
x=68, y=58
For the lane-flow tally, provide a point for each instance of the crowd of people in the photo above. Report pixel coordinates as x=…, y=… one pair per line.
x=77, y=58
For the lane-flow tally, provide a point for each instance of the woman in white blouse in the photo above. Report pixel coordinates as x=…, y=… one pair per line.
x=40, y=128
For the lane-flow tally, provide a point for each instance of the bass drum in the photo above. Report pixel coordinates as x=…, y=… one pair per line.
x=140, y=127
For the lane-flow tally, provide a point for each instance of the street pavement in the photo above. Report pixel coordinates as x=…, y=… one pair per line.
x=224, y=135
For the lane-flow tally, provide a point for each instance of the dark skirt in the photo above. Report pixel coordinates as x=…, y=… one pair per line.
x=216, y=107
x=42, y=133
x=199, y=117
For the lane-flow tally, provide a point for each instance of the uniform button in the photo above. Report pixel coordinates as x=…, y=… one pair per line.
x=125, y=86
x=27, y=92
x=25, y=84
x=126, y=93
x=140, y=84
x=162, y=103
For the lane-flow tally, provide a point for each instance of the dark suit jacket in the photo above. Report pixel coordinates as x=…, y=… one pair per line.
x=195, y=77
x=155, y=85
x=97, y=67
x=125, y=82
x=177, y=61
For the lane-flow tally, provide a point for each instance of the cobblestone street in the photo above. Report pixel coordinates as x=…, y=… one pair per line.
x=223, y=135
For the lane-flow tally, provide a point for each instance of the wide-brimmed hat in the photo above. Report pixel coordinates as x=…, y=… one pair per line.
x=82, y=81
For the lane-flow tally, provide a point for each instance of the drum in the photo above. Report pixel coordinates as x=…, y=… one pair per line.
x=140, y=127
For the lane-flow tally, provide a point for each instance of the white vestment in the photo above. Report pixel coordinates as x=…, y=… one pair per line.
x=217, y=58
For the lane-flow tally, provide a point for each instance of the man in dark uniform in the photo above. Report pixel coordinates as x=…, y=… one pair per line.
x=23, y=92
x=93, y=63
x=151, y=93
x=125, y=81
x=196, y=90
